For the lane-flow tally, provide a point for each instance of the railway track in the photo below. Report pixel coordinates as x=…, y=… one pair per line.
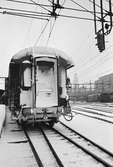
x=88, y=113
x=41, y=149
x=102, y=109
x=107, y=113
x=96, y=151
x=14, y=147
x=97, y=107
x=56, y=147
x=101, y=112
x=60, y=146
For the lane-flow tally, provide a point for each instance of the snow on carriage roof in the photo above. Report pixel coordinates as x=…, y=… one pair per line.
x=37, y=51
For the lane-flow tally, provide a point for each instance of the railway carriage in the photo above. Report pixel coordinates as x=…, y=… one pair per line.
x=37, y=84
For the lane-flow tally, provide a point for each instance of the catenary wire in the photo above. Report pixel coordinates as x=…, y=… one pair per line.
x=29, y=29
x=62, y=7
x=83, y=7
x=40, y=5
x=54, y=24
x=23, y=15
x=41, y=33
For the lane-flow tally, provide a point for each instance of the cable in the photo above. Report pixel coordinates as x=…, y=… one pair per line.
x=24, y=15
x=92, y=67
x=46, y=14
x=41, y=33
x=76, y=17
x=49, y=1
x=49, y=14
x=54, y=24
x=97, y=5
x=50, y=32
x=67, y=8
x=80, y=10
x=20, y=10
x=82, y=7
x=29, y=30
x=28, y=3
x=40, y=6
x=85, y=63
x=97, y=61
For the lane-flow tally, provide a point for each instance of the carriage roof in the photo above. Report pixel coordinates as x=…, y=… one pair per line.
x=27, y=53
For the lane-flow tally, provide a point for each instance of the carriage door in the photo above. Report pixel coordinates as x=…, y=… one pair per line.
x=46, y=82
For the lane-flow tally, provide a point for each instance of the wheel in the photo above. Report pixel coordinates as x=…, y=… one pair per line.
x=68, y=117
x=51, y=124
x=21, y=122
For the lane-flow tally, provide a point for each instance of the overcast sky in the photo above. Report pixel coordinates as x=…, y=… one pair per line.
x=76, y=37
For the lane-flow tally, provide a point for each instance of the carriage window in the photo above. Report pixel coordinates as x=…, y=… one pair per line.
x=26, y=75
x=45, y=66
x=45, y=76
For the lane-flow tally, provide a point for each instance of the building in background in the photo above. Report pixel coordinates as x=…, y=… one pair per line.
x=104, y=84
x=100, y=90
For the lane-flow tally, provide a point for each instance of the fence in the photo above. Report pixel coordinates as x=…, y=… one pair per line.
x=102, y=91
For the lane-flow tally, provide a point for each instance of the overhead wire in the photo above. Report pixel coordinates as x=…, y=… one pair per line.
x=84, y=62
x=50, y=1
x=108, y=48
x=67, y=16
x=80, y=6
x=54, y=24
x=96, y=72
x=25, y=11
x=38, y=16
x=29, y=3
x=99, y=62
x=24, y=15
x=43, y=30
x=79, y=10
x=63, y=7
x=50, y=32
x=29, y=29
x=83, y=7
x=40, y=6
x=61, y=15
x=97, y=58
x=76, y=17
x=41, y=33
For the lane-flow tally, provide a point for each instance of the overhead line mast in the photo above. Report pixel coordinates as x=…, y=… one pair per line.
x=102, y=18
x=104, y=28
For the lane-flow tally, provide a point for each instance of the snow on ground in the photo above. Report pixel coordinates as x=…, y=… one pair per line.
x=96, y=130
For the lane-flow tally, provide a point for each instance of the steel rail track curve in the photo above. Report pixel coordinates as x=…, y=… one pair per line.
x=96, y=157
x=89, y=140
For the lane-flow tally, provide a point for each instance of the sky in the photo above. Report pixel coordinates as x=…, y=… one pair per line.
x=76, y=37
